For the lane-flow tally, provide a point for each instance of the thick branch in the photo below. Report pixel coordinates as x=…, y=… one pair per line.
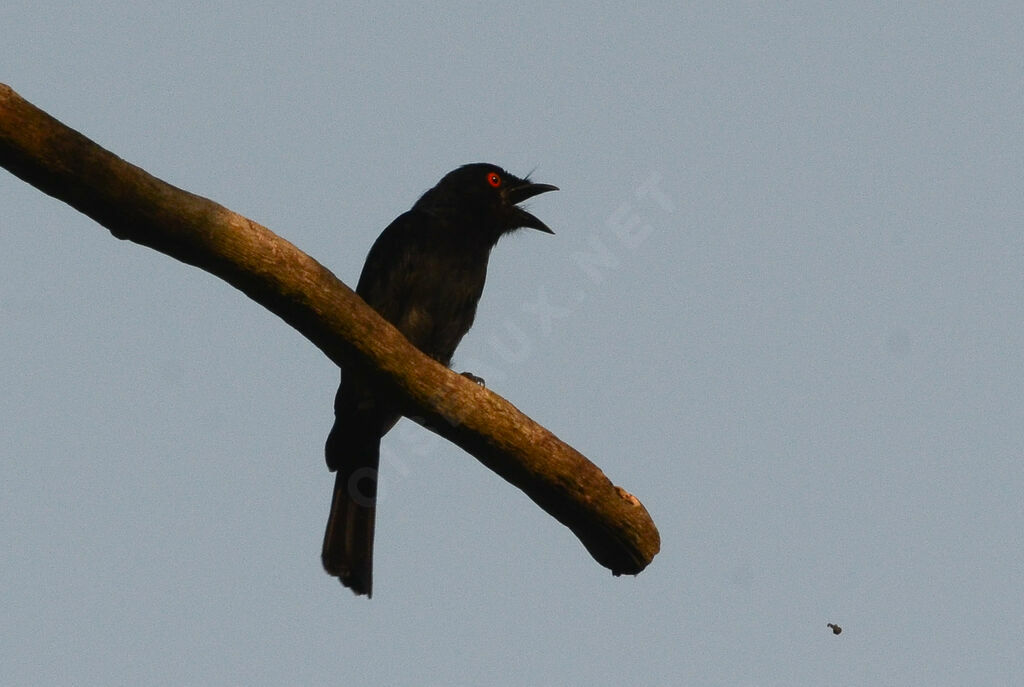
x=613, y=525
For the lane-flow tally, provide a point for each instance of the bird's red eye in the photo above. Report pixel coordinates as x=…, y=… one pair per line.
x=494, y=180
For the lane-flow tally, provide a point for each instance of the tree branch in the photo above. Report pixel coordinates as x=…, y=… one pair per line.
x=612, y=524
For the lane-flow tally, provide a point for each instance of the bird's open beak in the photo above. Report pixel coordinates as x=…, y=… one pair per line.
x=518, y=194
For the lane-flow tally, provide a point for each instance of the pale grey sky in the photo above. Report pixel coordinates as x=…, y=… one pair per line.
x=808, y=362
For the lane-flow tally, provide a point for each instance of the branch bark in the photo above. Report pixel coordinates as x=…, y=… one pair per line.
x=611, y=523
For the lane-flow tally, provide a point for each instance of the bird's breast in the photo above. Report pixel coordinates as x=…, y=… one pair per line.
x=440, y=304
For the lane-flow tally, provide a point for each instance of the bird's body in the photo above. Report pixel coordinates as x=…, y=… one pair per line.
x=425, y=275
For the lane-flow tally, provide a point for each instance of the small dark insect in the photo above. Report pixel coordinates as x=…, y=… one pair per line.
x=835, y=628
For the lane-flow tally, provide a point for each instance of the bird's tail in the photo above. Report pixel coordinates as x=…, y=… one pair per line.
x=348, y=541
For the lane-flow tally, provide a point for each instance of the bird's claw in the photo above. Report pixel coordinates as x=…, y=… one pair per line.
x=473, y=378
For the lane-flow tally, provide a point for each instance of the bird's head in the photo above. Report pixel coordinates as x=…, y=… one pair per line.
x=488, y=191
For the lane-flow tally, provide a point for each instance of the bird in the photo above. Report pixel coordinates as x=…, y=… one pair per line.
x=424, y=274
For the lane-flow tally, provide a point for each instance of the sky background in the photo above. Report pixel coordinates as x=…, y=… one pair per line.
x=804, y=355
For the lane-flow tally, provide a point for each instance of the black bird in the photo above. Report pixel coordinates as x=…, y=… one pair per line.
x=424, y=275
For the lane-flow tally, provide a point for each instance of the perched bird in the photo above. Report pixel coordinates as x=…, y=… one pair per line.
x=424, y=275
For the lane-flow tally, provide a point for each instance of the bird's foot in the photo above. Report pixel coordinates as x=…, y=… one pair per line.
x=473, y=378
